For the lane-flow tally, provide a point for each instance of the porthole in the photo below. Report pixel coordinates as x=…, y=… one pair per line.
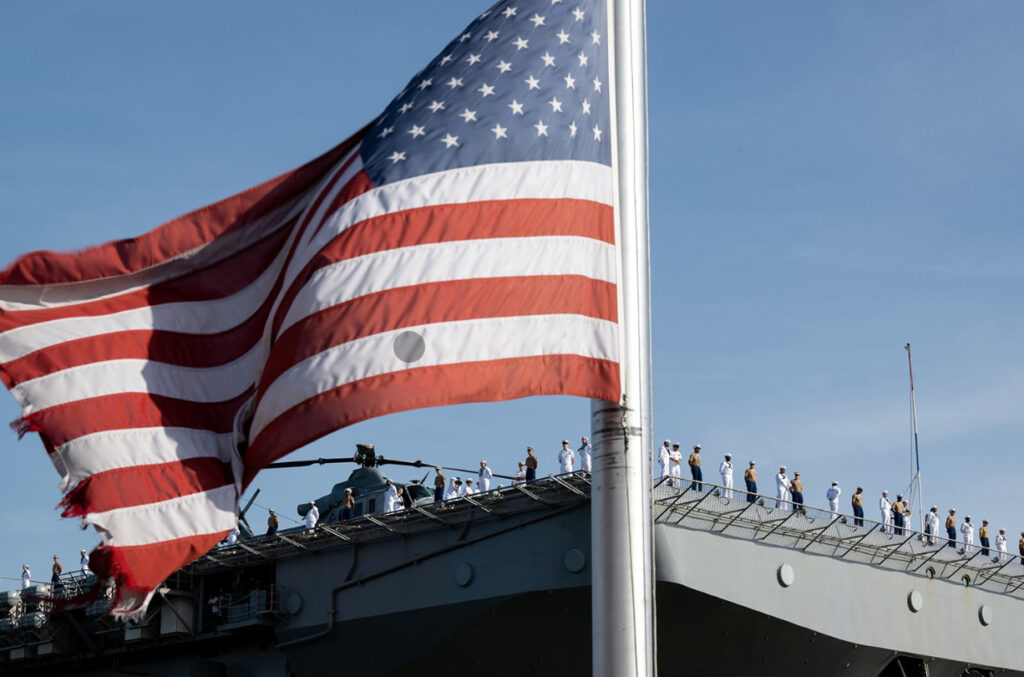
x=966, y=580
x=929, y=572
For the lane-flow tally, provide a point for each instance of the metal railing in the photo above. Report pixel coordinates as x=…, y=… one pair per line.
x=456, y=513
x=818, y=531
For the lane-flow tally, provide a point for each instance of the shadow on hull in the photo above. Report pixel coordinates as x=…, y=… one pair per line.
x=548, y=633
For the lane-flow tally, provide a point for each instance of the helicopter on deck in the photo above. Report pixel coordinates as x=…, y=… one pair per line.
x=367, y=482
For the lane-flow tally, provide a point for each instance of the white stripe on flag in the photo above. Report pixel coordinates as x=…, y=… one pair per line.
x=445, y=343
x=445, y=261
x=113, y=449
x=189, y=317
x=209, y=384
x=32, y=297
x=206, y=512
x=548, y=180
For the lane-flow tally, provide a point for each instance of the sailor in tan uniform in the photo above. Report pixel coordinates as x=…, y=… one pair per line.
x=857, y=501
x=951, y=528
x=750, y=478
x=695, y=471
x=983, y=538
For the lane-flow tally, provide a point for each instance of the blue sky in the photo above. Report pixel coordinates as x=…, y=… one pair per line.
x=828, y=181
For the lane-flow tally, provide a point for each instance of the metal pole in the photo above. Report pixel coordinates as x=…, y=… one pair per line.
x=915, y=458
x=621, y=525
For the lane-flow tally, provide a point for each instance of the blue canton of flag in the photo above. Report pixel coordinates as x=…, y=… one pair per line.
x=528, y=80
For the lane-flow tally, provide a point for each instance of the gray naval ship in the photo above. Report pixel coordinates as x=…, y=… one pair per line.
x=498, y=583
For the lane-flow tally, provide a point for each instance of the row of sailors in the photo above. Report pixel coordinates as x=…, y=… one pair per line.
x=445, y=490
x=56, y=570
x=789, y=495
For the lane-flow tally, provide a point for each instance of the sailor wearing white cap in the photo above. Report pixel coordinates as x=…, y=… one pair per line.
x=566, y=459
x=26, y=576
x=725, y=470
x=782, y=489
x=750, y=479
x=675, y=467
x=931, y=524
x=885, y=510
x=585, y=451
x=1001, y=545
x=967, y=530
x=663, y=455
x=84, y=562
x=695, y=471
x=312, y=516
x=832, y=496
x=484, y=476
x=951, y=528
x=453, y=488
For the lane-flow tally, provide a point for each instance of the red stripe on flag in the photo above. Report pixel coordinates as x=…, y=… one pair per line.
x=141, y=568
x=65, y=422
x=185, y=350
x=456, y=222
x=221, y=279
x=139, y=485
x=175, y=237
x=439, y=302
x=360, y=183
x=430, y=387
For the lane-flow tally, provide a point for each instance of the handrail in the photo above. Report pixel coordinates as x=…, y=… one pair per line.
x=775, y=518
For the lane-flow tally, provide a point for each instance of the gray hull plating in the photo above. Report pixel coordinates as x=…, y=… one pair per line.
x=504, y=589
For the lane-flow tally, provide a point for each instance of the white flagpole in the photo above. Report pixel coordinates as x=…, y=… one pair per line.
x=621, y=525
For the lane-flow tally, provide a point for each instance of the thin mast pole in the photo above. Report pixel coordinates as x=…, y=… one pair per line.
x=621, y=526
x=915, y=454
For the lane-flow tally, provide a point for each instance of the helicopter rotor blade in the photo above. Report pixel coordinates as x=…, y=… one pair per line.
x=380, y=460
x=252, y=499
x=314, y=461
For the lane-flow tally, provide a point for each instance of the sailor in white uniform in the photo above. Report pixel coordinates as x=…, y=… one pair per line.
x=967, y=530
x=520, y=476
x=566, y=459
x=26, y=577
x=663, y=456
x=675, y=467
x=1001, y=545
x=484, y=477
x=885, y=512
x=452, y=490
x=782, y=489
x=232, y=536
x=460, y=487
x=585, y=452
x=311, y=517
x=931, y=524
x=832, y=496
x=470, y=489
x=725, y=470
x=85, y=562
x=390, y=496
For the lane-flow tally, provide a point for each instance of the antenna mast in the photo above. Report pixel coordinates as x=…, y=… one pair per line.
x=915, y=456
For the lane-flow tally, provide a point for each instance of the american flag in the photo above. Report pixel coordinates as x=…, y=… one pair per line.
x=461, y=248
